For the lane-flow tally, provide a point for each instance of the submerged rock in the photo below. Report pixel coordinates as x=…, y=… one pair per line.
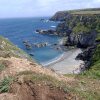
x=50, y=32
x=41, y=44
x=27, y=45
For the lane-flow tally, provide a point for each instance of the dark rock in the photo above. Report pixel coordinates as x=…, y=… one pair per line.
x=82, y=40
x=86, y=54
x=28, y=46
x=41, y=31
x=60, y=16
x=63, y=30
x=31, y=54
x=49, y=32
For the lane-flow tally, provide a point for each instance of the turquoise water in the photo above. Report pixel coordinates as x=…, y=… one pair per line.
x=20, y=29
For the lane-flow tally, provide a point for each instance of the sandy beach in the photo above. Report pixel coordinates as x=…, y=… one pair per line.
x=66, y=63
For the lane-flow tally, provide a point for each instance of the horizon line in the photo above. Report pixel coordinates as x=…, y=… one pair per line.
x=23, y=17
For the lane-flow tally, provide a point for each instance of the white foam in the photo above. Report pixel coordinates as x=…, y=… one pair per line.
x=53, y=26
x=53, y=60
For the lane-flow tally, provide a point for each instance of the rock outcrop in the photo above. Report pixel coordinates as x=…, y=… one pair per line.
x=80, y=26
x=60, y=16
x=50, y=32
x=82, y=40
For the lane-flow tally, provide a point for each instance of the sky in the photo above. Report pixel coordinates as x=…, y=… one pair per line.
x=37, y=8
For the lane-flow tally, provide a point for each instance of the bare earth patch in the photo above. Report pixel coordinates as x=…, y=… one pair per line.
x=18, y=65
x=30, y=90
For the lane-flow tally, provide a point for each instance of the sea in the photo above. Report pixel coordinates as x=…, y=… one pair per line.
x=18, y=30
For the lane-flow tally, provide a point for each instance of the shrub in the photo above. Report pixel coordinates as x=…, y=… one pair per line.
x=5, y=84
x=2, y=67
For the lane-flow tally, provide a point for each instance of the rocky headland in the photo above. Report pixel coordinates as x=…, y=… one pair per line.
x=81, y=29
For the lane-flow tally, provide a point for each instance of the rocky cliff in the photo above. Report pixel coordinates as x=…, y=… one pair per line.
x=80, y=26
x=82, y=29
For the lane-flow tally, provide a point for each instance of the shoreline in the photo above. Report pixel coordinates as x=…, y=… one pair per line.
x=66, y=63
x=52, y=61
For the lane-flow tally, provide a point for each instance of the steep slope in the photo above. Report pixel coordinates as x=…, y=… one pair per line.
x=24, y=79
x=7, y=49
x=80, y=26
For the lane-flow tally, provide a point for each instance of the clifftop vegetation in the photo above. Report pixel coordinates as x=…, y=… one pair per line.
x=78, y=21
x=90, y=11
x=8, y=49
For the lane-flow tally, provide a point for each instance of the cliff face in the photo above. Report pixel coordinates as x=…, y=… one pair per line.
x=61, y=16
x=80, y=26
x=82, y=40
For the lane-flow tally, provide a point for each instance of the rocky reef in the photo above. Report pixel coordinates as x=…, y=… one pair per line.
x=50, y=32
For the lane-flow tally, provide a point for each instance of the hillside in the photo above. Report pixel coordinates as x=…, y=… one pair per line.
x=23, y=79
x=62, y=15
x=7, y=49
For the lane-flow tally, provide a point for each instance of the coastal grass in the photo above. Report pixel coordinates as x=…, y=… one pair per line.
x=48, y=80
x=98, y=37
x=88, y=11
x=8, y=49
x=87, y=84
x=82, y=88
x=85, y=12
x=85, y=88
x=94, y=71
x=5, y=84
x=2, y=67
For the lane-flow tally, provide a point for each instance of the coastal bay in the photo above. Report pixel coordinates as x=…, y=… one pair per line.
x=18, y=30
x=66, y=63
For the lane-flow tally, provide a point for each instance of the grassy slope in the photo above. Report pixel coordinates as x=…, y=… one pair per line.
x=7, y=49
x=87, y=85
x=85, y=11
